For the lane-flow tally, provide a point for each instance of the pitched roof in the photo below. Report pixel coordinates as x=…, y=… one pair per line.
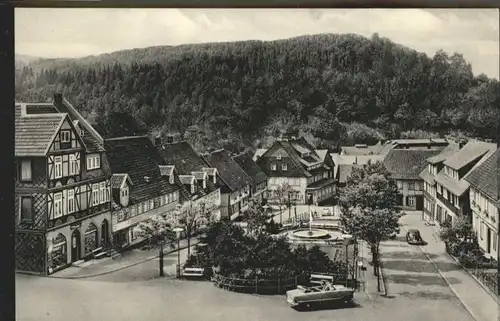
x=486, y=177
x=407, y=163
x=209, y=170
x=199, y=175
x=457, y=187
x=137, y=157
x=426, y=176
x=166, y=170
x=445, y=153
x=187, y=179
x=232, y=174
x=35, y=133
x=186, y=160
x=322, y=153
x=259, y=153
x=117, y=180
x=251, y=168
x=469, y=153
x=93, y=141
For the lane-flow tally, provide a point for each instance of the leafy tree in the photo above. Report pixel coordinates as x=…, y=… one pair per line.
x=157, y=231
x=190, y=216
x=256, y=219
x=461, y=240
x=370, y=209
x=281, y=194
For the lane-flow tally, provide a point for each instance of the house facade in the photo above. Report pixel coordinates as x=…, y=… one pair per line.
x=237, y=185
x=142, y=187
x=200, y=183
x=62, y=188
x=446, y=187
x=485, y=201
x=259, y=178
x=405, y=166
x=308, y=172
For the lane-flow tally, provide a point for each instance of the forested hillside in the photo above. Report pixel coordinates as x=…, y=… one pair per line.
x=334, y=88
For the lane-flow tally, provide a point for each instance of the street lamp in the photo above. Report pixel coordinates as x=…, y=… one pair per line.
x=178, y=231
x=347, y=240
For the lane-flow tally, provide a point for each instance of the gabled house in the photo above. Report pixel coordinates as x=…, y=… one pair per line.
x=142, y=186
x=435, y=165
x=405, y=166
x=200, y=182
x=258, y=177
x=484, y=197
x=235, y=193
x=308, y=172
x=449, y=173
x=62, y=188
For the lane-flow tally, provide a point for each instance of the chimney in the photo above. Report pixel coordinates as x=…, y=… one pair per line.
x=58, y=98
x=169, y=139
x=461, y=143
x=158, y=141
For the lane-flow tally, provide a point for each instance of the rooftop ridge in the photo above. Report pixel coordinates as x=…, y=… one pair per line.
x=126, y=137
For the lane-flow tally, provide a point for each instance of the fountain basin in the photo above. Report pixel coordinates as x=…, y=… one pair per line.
x=316, y=234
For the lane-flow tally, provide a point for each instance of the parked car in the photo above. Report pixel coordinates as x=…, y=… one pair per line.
x=413, y=237
x=323, y=294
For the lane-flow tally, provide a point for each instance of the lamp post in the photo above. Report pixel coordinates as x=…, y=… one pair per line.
x=178, y=231
x=347, y=240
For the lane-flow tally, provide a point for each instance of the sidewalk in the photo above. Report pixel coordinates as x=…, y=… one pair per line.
x=125, y=260
x=476, y=300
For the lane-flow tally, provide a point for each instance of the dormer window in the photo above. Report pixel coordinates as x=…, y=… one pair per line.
x=278, y=157
x=171, y=178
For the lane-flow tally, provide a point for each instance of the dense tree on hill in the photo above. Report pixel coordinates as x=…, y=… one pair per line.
x=337, y=88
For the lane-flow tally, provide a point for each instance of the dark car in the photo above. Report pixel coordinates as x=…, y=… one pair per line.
x=413, y=237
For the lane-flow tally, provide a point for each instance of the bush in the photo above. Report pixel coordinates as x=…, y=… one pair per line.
x=239, y=255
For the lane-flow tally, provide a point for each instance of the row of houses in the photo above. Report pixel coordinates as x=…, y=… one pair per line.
x=78, y=195
x=443, y=179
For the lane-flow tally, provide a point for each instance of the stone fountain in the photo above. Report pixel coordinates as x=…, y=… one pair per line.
x=314, y=235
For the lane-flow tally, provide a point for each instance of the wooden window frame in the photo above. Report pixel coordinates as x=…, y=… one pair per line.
x=21, y=218
x=58, y=164
x=65, y=133
x=23, y=179
x=59, y=200
x=95, y=192
x=71, y=198
x=284, y=167
x=102, y=192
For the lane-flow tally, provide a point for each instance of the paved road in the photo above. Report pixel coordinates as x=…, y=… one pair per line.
x=416, y=274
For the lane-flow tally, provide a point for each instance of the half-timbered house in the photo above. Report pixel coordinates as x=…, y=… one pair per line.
x=62, y=188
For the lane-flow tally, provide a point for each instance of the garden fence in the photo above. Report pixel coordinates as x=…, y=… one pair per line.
x=259, y=285
x=488, y=278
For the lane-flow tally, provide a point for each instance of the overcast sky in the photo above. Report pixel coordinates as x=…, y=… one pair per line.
x=81, y=32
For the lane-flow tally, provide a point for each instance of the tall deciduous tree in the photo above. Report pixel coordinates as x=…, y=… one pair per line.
x=158, y=232
x=281, y=197
x=370, y=209
x=191, y=215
